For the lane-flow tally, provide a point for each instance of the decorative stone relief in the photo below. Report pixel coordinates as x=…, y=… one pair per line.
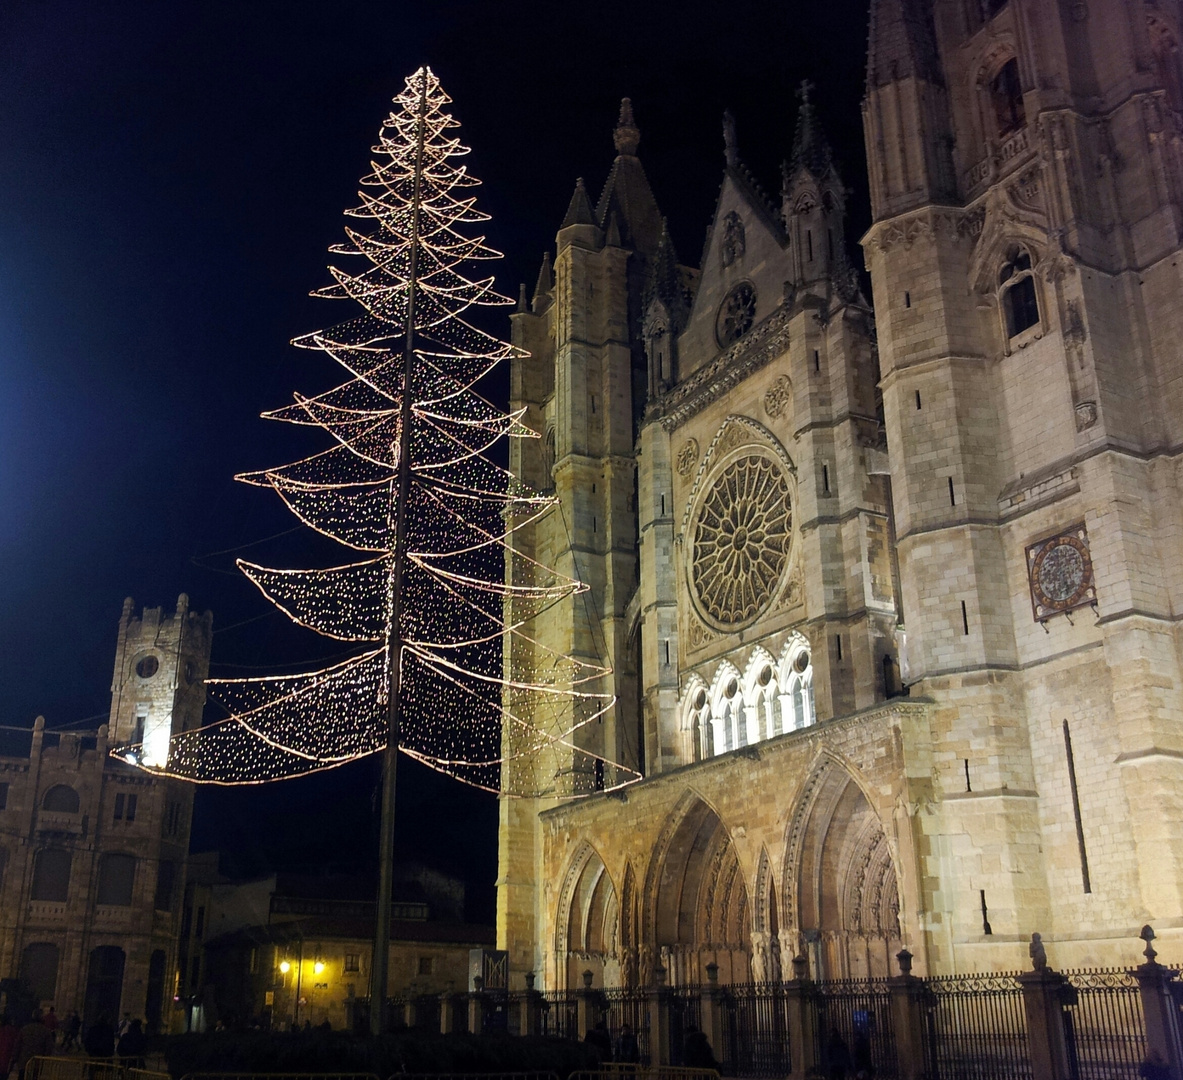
x=687, y=457
x=778, y=396
x=733, y=244
x=699, y=635
x=1086, y=415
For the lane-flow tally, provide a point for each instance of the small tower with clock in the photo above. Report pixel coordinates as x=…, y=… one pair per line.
x=158, y=688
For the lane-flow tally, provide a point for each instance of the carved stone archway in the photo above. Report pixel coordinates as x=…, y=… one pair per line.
x=589, y=923
x=695, y=901
x=840, y=887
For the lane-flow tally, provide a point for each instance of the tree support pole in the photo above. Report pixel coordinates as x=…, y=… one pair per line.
x=380, y=965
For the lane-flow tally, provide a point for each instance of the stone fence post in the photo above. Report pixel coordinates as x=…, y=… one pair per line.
x=908, y=994
x=447, y=1015
x=712, y=1010
x=585, y=1007
x=531, y=1006
x=411, y=1012
x=659, y=1019
x=799, y=1015
x=1044, y=994
x=476, y=1006
x=1158, y=1008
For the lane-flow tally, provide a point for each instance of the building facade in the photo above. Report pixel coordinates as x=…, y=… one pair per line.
x=890, y=594
x=92, y=850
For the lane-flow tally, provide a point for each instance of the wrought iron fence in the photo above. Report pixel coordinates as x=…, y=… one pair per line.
x=976, y=1028
x=560, y=1014
x=685, y=1016
x=624, y=1005
x=755, y=1030
x=1104, y=1027
x=853, y=1018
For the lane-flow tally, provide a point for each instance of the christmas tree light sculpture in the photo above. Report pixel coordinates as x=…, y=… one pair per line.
x=439, y=595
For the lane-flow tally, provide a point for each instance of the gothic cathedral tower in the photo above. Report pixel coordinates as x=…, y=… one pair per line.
x=1026, y=177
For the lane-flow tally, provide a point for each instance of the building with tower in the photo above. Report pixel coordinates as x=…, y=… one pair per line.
x=93, y=850
x=890, y=592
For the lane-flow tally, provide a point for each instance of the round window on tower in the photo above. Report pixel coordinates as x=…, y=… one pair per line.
x=736, y=314
x=147, y=666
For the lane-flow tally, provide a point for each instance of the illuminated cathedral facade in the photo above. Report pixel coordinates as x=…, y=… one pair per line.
x=890, y=585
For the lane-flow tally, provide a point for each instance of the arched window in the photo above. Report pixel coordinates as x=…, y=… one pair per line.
x=1016, y=281
x=51, y=875
x=697, y=724
x=1006, y=95
x=116, y=876
x=61, y=799
x=764, y=703
x=797, y=704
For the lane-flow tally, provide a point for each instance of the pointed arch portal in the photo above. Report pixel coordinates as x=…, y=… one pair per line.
x=697, y=903
x=842, y=895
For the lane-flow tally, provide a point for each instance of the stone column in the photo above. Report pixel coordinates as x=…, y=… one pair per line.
x=800, y=1016
x=659, y=1019
x=1158, y=1008
x=411, y=1012
x=712, y=1010
x=907, y=1014
x=1044, y=992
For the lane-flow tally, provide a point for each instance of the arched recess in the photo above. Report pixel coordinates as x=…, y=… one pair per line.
x=630, y=929
x=589, y=921
x=841, y=894
x=767, y=962
x=695, y=904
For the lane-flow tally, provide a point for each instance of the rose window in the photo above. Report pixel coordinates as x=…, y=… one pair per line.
x=741, y=540
x=736, y=313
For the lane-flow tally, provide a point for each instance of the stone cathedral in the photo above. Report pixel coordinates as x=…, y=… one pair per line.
x=891, y=586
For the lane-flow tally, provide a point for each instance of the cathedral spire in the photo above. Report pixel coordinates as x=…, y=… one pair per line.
x=810, y=149
x=627, y=135
x=579, y=210
x=542, y=290
x=730, y=142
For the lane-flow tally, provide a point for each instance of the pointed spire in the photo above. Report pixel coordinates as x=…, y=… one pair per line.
x=730, y=143
x=627, y=135
x=522, y=297
x=665, y=282
x=901, y=44
x=579, y=210
x=542, y=289
x=612, y=232
x=810, y=149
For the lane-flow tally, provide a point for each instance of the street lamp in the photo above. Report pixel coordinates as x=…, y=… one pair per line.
x=285, y=967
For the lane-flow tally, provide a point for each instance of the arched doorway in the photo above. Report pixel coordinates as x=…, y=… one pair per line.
x=696, y=902
x=39, y=970
x=589, y=921
x=841, y=892
x=104, y=984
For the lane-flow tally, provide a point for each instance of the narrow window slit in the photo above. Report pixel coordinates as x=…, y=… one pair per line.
x=985, y=914
x=952, y=493
x=964, y=618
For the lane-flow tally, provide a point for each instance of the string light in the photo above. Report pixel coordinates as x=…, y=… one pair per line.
x=472, y=706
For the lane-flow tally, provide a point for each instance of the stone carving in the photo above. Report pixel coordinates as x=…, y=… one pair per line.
x=734, y=243
x=699, y=635
x=741, y=540
x=687, y=457
x=1037, y=953
x=764, y=343
x=777, y=396
x=1086, y=415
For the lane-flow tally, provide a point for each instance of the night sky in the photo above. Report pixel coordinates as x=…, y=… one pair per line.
x=171, y=175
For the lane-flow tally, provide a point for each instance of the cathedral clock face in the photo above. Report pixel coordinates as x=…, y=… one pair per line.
x=740, y=540
x=1060, y=572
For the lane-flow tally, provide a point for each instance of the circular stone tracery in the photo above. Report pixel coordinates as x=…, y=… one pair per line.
x=736, y=314
x=741, y=540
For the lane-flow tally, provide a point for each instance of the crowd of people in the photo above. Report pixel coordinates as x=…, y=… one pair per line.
x=45, y=1034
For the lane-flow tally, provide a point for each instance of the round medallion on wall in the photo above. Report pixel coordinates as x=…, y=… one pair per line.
x=740, y=540
x=736, y=314
x=1060, y=571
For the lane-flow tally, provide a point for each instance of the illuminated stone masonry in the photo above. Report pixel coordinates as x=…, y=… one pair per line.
x=793, y=510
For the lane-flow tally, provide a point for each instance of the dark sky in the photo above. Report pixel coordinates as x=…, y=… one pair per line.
x=170, y=177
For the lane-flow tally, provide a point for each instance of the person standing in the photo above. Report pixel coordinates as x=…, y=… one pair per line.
x=10, y=1045
x=36, y=1041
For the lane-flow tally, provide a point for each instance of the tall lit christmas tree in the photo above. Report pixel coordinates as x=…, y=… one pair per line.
x=438, y=595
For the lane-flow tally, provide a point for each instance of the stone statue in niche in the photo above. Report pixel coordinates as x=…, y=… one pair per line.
x=734, y=241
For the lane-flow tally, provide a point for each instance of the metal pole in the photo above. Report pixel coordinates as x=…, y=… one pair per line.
x=381, y=960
